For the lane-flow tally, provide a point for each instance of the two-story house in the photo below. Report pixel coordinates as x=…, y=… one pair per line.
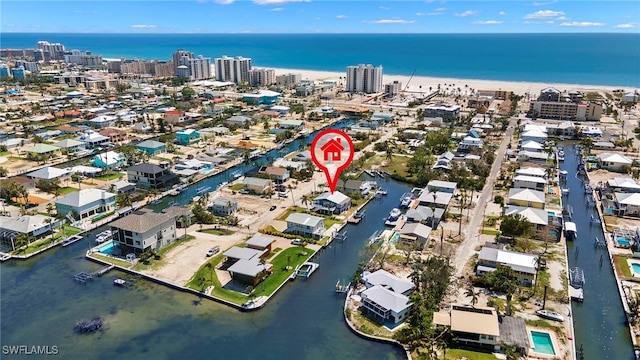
x=144, y=229
x=86, y=203
x=188, y=136
x=524, y=266
x=331, y=203
x=151, y=176
x=305, y=225
x=224, y=206
x=386, y=296
x=526, y=198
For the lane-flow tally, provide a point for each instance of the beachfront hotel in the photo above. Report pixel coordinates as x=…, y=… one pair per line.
x=234, y=69
x=364, y=79
x=262, y=77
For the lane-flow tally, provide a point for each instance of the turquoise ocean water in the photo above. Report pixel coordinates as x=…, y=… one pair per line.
x=593, y=59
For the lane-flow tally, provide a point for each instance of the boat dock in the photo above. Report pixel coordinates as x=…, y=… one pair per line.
x=4, y=257
x=341, y=288
x=105, y=270
x=71, y=240
x=306, y=269
x=82, y=278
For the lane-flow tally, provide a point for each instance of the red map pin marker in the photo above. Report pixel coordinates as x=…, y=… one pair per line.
x=332, y=151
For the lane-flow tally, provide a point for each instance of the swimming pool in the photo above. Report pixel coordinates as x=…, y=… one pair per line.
x=395, y=238
x=107, y=248
x=623, y=242
x=542, y=342
x=635, y=267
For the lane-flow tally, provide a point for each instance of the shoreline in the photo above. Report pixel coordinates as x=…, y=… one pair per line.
x=422, y=83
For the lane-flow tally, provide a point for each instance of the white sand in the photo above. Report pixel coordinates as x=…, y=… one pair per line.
x=476, y=84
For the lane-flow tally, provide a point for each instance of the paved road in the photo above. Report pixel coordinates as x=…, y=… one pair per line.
x=467, y=247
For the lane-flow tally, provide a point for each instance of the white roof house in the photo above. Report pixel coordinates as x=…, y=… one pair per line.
x=532, y=146
x=627, y=199
x=531, y=182
x=387, y=280
x=381, y=301
x=624, y=184
x=526, y=196
x=415, y=231
x=48, y=173
x=591, y=131
x=534, y=135
x=533, y=215
x=304, y=219
x=336, y=197
x=521, y=262
x=84, y=197
x=532, y=171
x=444, y=186
x=614, y=162
x=27, y=224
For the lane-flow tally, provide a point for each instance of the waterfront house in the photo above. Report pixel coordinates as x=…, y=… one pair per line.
x=438, y=199
x=35, y=226
x=188, y=136
x=626, y=185
x=539, y=218
x=257, y=185
x=628, y=204
x=331, y=203
x=533, y=134
x=441, y=186
x=86, y=203
x=526, y=198
x=92, y=139
x=532, y=171
x=305, y=225
x=352, y=186
x=42, y=150
x=414, y=233
x=425, y=215
x=529, y=182
x=302, y=156
x=260, y=242
x=109, y=160
x=246, y=264
x=291, y=124
x=122, y=187
x=386, y=296
x=147, y=230
x=591, y=131
x=535, y=157
x=524, y=266
x=152, y=147
x=224, y=206
x=471, y=325
x=276, y=173
x=114, y=135
x=444, y=161
x=49, y=173
x=70, y=146
x=532, y=146
x=151, y=175
x=614, y=162
x=513, y=331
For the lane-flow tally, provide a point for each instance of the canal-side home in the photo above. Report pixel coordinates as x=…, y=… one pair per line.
x=614, y=162
x=305, y=225
x=224, y=206
x=620, y=184
x=86, y=203
x=471, y=325
x=524, y=266
x=529, y=182
x=151, y=176
x=386, y=296
x=144, y=229
x=246, y=264
x=257, y=186
x=35, y=226
x=539, y=218
x=526, y=198
x=331, y=203
x=152, y=147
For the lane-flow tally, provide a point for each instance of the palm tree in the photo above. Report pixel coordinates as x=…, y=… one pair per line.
x=511, y=352
x=22, y=240
x=306, y=199
x=290, y=188
x=473, y=295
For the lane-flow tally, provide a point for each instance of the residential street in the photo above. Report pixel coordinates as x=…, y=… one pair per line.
x=471, y=236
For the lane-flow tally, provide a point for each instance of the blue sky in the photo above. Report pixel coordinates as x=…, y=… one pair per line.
x=318, y=16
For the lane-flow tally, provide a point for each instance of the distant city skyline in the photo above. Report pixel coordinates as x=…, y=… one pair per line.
x=318, y=16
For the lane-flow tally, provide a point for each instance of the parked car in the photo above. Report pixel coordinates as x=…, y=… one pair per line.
x=296, y=242
x=273, y=207
x=244, y=191
x=283, y=194
x=214, y=250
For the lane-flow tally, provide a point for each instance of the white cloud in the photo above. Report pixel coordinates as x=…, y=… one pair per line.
x=502, y=13
x=341, y=16
x=440, y=9
x=581, y=24
x=224, y=2
x=276, y=9
x=142, y=26
x=276, y=2
x=467, y=13
x=488, y=22
x=626, y=26
x=384, y=8
x=544, y=14
x=390, y=21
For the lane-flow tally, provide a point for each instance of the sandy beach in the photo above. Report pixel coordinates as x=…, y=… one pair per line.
x=422, y=83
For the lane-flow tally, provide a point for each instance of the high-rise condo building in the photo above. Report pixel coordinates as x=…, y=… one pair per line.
x=262, y=77
x=199, y=68
x=364, y=79
x=181, y=57
x=55, y=50
x=288, y=79
x=234, y=69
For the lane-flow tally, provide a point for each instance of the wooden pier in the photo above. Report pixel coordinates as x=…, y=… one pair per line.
x=105, y=270
x=83, y=278
x=4, y=257
x=71, y=240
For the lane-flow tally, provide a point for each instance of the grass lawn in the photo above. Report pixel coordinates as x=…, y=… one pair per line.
x=454, y=354
x=328, y=222
x=397, y=165
x=368, y=326
x=68, y=231
x=491, y=232
x=290, y=210
x=622, y=267
x=111, y=260
x=237, y=187
x=221, y=232
x=111, y=175
x=3, y=153
x=67, y=190
x=280, y=273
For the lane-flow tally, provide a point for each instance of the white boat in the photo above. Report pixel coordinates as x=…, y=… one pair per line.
x=306, y=269
x=576, y=277
x=406, y=200
x=375, y=237
x=381, y=192
x=551, y=315
x=393, y=217
x=570, y=230
x=203, y=189
x=119, y=282
x=103, y=236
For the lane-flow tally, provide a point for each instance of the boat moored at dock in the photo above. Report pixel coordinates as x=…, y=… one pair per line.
x=551, y=315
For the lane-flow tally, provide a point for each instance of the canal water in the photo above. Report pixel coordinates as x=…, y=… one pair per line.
x=600, y=322
x=40, y=304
